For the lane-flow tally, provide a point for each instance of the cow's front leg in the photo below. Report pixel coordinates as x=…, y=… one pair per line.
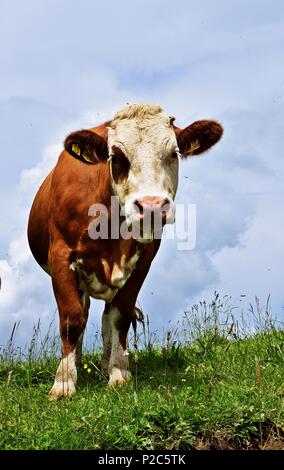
x=116, y=327
x=72, y=325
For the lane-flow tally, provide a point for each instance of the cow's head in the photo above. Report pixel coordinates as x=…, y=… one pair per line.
x=143, y=148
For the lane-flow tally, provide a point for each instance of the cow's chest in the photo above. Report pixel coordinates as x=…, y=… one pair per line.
x=116, y=277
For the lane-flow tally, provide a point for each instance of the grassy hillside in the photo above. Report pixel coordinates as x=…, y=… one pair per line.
x=209, y=385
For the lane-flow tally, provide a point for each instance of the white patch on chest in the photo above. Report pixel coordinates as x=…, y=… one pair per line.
x=120, y=274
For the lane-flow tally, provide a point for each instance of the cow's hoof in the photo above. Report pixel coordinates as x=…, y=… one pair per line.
x=65, y=390
x=118, y=377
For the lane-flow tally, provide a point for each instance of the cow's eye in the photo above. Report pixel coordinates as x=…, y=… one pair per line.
x=115, y=160
x=120, y=161
x=120, y=166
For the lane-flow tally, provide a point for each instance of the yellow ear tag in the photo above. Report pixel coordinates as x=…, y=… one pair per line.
x=76, y=149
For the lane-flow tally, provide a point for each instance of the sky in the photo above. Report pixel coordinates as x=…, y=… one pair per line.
x=69, y=65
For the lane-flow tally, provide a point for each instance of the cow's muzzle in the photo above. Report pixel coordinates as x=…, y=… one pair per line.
x=147, y=215
x=152, y=208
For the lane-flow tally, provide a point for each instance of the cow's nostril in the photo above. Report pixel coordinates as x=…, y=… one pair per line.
x=165, y=202
x=139, y=206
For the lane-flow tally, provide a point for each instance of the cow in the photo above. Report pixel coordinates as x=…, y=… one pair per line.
x=134, y=158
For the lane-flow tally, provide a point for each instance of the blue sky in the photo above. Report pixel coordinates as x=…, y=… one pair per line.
x=67, y=65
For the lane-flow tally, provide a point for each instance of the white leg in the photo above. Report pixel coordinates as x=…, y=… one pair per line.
x=118, y=364
x=65, y=378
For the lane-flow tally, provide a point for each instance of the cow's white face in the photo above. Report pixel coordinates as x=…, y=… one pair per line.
x=144, y=164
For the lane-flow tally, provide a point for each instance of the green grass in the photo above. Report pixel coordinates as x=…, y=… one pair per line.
x=214, y=388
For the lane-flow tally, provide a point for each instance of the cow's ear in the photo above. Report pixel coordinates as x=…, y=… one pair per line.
x=87, y=146
x=198, y=137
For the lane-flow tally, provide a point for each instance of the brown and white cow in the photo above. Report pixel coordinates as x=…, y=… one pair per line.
x=134, y=157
